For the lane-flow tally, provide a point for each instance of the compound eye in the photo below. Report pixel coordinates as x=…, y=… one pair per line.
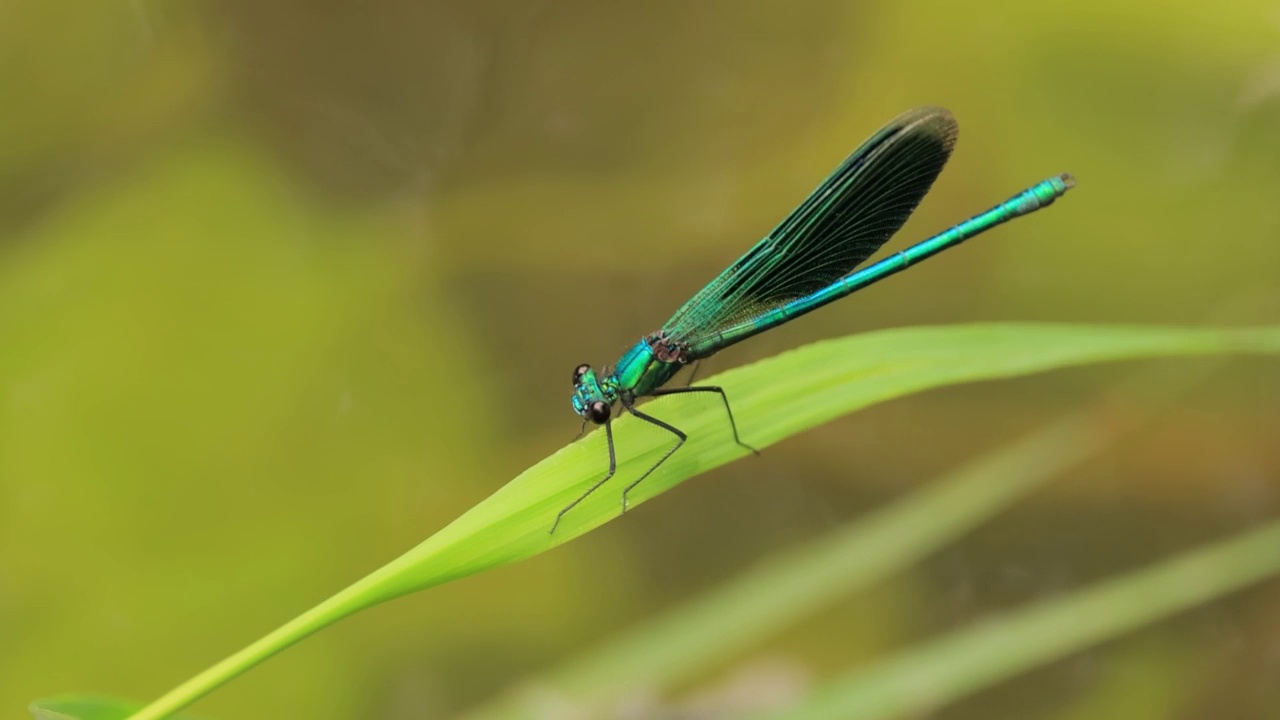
x=598, y=412
x=579, y=371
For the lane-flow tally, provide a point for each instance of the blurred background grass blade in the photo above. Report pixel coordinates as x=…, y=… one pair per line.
x=86, y=707
x=943, y=671
x=654, y=656
x=773, y=399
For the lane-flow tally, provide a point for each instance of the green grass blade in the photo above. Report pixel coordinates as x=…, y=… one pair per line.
x=976, y=657
x=82, y=707
x=773, y=399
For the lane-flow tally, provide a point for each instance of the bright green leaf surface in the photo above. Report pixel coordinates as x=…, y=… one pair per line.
x=773, y=399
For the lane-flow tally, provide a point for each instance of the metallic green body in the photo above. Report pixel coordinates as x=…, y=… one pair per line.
x=807, y=262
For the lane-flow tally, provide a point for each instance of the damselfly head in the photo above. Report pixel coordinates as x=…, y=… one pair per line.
x=590, y=400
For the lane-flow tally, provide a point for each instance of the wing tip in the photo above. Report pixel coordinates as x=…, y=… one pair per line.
x=936, y=119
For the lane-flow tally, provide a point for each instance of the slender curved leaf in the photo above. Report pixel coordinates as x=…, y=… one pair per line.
x=773, y=399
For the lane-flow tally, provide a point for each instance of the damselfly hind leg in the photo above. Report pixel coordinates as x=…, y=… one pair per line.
x=613, y=467
x=724, y=398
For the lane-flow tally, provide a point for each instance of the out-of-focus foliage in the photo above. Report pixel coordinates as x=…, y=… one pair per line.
x=83, y=708
x=286, y=287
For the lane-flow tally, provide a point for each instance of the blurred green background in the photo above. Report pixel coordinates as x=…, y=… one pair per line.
x=285, y=287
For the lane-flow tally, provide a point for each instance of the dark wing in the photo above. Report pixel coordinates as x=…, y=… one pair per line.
x=843, y=222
